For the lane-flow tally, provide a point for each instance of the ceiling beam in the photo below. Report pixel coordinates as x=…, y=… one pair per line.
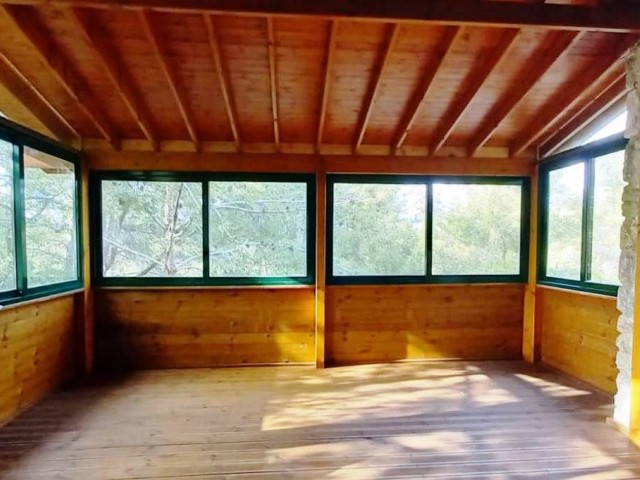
x=623, y=18
x=570, y=93
x=411, y=112
x=474, y=82
x=223, y=79
x=177, y=90
x=118, y=75
x=34, y=101
x=613, y=94
x=328, y=76
x=391, y=36
x=273, y=82
x=25, y=21
x=537, y=65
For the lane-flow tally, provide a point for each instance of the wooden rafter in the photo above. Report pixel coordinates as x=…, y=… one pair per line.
x=471, y=87
x=33, y=100
x=176, y=89
x=568, y=95
x=539, y=63
x=417, y=99
x=585, y=115
x=223, y=79
x=326, y=86
x=623, y=18
x=273, y=82
x=61, y=68
x=118, y=75
x=374, y=84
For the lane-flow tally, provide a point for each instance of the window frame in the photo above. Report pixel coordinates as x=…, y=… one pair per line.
x=428, y=181
x=97, y=177
x=20, y=138
x=586, y=154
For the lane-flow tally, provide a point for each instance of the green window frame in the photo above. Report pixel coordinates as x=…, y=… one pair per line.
x=429, y=277
x=20, y=138
x=587, y=156
x=98, y=177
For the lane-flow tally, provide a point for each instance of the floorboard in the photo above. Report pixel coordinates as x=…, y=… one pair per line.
x=476, y=420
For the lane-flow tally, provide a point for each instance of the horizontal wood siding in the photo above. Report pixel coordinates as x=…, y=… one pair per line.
x=386, y=323
x=579, y=335
x=204, y=328
x=36, y=352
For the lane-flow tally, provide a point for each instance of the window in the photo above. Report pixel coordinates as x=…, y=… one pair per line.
x=151, y=229
x=49, y=191
x=7, y=225
x=39, y=217
x=204, y=229
x=379, y=229
x=477, y=229
x=410, y=229
x=258, y=229
x=581, y=217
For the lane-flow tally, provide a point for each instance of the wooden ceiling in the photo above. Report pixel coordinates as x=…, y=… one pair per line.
x=423, y=78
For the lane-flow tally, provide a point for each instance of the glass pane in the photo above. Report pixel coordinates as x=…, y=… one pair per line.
x=607, y=218
x=151, y=229
x=476, y=229
x=7, y=242
x=50, y=192
x=258, y=229
x=379, y=229
x=564, y=238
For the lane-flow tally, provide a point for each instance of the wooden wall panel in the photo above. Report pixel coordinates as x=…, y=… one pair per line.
x=36, y=352
x=165, y=328
x=387, y=323
x=579, y=334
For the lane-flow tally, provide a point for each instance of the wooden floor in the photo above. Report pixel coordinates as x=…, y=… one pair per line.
x=437, y=420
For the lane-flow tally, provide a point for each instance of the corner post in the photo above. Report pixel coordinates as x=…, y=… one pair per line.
x=321, y=221
x=531, y=327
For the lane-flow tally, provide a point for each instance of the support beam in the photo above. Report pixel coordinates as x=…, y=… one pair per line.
x=471, y=87
x=177, y=91
x=60, y=67
x=537, y=65
x=273, y=82
x=592, y=110
x=118, y=75
x=223, y=79
x=531, y=328
x=326, y=86
x=569, y=94
x=411, y=113
x=34, y=101
x=321, y=268
x=374, y=84
x=623, y=18
x=84, y=305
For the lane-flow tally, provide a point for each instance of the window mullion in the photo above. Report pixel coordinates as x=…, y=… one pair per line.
x=19, y=219
x=587, y=221
x=429, y=232
x=205, y=230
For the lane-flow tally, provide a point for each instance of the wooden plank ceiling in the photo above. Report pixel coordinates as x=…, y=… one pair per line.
x=162, y=74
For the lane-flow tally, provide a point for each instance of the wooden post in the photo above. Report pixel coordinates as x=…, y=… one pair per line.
x=531, y=328
x=84, y=310
x=321, y=216
x=634, y=402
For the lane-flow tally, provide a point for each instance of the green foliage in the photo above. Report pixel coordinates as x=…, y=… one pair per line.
x=152, y=229
x=7, y=242
x=476, y=229
x=49, y=187
x=258, y=229
x=379, y=229
x=607, y=218
x=566, y=186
